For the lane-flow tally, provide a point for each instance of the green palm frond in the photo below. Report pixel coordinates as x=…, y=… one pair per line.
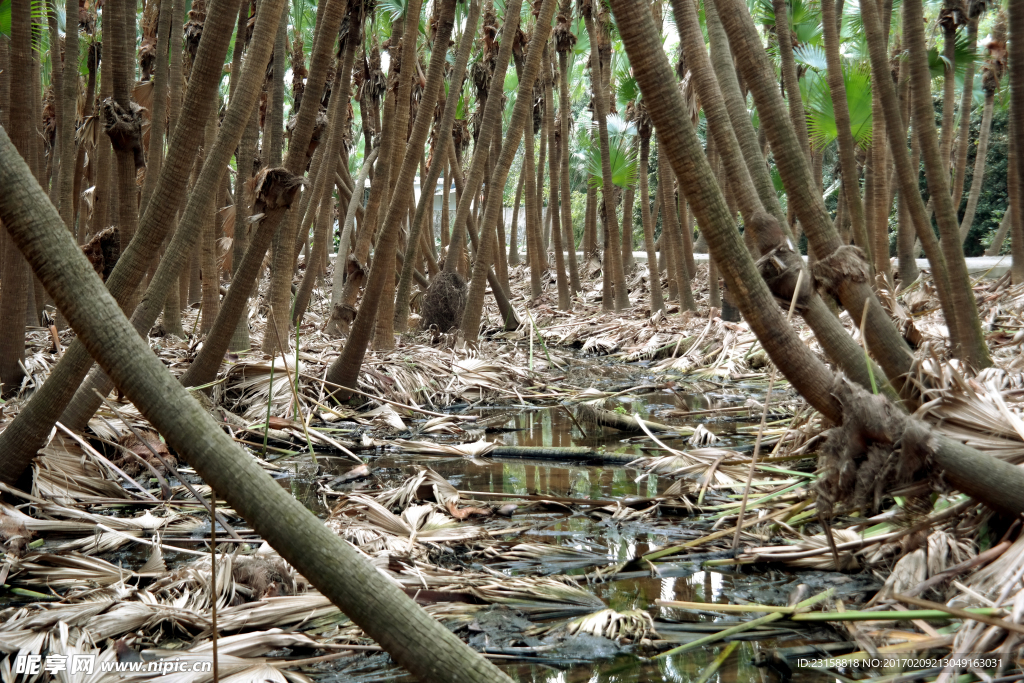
x=622, y=154
x=821, y=120
x=812, y=56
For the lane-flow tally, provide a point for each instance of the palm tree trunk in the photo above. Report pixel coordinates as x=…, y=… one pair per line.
x=345, y=370
x=201, y=204
x=428, y=650
x=970, y=344
x=68, y=115
x=1004, y=226
x=209, y=267
x=564, y=300
x=490, y=119
x=628, y=197
x=20, y=441
x=16, y=283
x=884, y=340
x=948, y=93
x=672, y=233
x=965, y=467
x=966, y=100
x=613, y=261
x=1016, y=69
x=590, y=224
x=518, y=126
x=789, y=75
x=847, y=146
x=442, y=133
x=979, y=166
x=338, y=314
x=565, y=112
x=657, y=298
x=538, y=259
x=158, y=126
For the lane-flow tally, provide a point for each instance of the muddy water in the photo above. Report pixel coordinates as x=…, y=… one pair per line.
x=617, y=541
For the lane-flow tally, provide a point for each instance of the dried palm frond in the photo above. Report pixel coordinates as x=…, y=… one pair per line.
x=548, y=597
x=466, y=450
x=632, y=624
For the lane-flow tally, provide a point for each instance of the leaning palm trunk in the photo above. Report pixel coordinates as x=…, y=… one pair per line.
x=283, y=264
x=518, y=122
x=337, y=116
x=906, y=170
x=971, y=342
x=979, y=165
x=20, y=441
x=442, y=133
x=190, y=227
x=613, y=272
x=974, y=473
x=345, y=370
x=341, y=257
x=852, y=289
x=414, y=639
x=770, y=235
x=1001, y=232
x=490, y=119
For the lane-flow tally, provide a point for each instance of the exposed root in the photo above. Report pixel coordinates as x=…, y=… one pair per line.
x=103, y=250
x=444, y=302
x=859, y=462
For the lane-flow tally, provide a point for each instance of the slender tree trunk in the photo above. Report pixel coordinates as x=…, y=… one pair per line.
x=518, y=125
x=443, y=134
x=847, y=146
x=565, y=112
x=966, y=100
x=1002, y=230
x=1016, y=44
x=68, y=116
x=657, y=298
x=209, y=265
x=971, y=341
x=158, y=125
x=671, y=232
x=490, y=119
x=979, y=166
x=612, y=263
x=590, y=225
x=17, y=277
x=424, y=647
x=564, y=300
x=965, y=467
x=334, y=324
x=538, y=258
